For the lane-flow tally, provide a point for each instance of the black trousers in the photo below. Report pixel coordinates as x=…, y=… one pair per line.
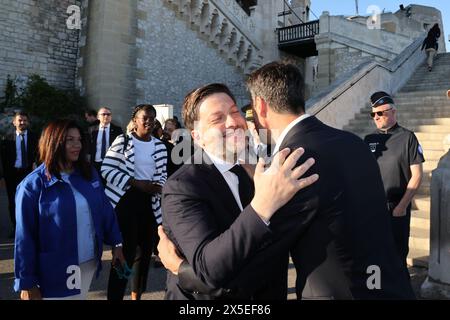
x=12, y=180
x=138, y=225
x=401, y=230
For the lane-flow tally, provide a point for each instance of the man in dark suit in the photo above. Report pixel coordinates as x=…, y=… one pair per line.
x=18, y=155
x=209, y=208
x=347, y=249
x=338, y=230
x=102, y=136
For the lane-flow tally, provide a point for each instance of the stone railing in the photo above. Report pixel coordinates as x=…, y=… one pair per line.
x=355, y=35
x=225, y=25
x=337, y=104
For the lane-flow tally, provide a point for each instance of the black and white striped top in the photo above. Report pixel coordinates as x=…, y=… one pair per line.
x=118, y=168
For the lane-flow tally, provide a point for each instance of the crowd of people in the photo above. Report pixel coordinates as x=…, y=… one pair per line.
x=224, y=229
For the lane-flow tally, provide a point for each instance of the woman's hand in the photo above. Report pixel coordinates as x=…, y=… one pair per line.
x=31, y=294
x=146, y=186
x=117, y=254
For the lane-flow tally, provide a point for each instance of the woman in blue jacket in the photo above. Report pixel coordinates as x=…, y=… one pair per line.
x=63, y=219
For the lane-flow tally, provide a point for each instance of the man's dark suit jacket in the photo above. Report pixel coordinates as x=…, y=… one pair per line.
x=351, y=232
x=202, y=218
x=114, y=131
x=337, y=229
x=8, y=153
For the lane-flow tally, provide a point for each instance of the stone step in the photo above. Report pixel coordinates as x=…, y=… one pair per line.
x=445, y=129
x=436, y=136
x=436, y=81
x=406, y=122
x=429, y=165
x=424, y=189
x=419, y=239
x=420, y=219
x=428, y=93
x=421, y=203
x=421, y=135
x=420, y=103
x=433, y=154
x=405, y=114
x=424, y=88
x=418, y=258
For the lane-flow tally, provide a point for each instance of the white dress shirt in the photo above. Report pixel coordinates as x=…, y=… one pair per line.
x=231, y=179
x=98, y=149
x=18, y=163
x=286, y=131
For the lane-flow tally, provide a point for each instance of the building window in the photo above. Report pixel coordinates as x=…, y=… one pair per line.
x=246, y=4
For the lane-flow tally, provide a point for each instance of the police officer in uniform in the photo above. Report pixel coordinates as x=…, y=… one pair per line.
x=400, y=158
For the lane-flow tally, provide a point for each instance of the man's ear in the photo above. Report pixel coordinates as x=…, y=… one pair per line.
x=264, y=107
x=195, y=135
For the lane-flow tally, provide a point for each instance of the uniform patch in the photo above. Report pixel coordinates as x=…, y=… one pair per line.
x=96, y=184
x=373, y=146
x=420, y=149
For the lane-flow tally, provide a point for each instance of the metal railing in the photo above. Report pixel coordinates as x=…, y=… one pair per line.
x=298, y=32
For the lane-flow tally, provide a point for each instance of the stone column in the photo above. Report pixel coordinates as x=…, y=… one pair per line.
x=299, y=7
x=437, y=284
x=326, y=54
x=108, y=71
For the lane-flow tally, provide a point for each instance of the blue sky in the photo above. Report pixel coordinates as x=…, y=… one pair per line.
x=347, y=7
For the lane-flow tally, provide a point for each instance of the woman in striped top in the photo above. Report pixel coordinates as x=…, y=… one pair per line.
x=135, y=171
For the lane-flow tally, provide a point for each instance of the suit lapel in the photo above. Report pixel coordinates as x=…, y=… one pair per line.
x=220, y=188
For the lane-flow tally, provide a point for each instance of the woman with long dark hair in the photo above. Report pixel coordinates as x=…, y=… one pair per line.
x=63, y=219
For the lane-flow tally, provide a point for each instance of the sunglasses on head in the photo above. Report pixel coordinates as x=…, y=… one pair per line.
x=379, y=113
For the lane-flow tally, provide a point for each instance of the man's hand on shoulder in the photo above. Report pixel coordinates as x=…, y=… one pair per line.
x=277, y=185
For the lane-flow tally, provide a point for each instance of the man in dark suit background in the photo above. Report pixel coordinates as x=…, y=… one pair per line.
x=344, y=247
x=102, y=136
x=210, y=210
x=18, y=155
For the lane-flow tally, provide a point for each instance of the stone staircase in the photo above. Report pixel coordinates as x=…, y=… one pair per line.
x=225, y=26
x=424, y=108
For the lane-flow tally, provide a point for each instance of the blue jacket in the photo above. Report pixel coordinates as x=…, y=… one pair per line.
x=46, y=231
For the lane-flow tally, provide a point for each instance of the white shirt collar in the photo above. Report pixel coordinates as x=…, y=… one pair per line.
x=220, y=164
x=18, y=134
x=104, y=127
x=286, y=131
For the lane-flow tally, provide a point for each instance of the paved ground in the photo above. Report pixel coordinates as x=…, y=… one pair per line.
x=156, y=279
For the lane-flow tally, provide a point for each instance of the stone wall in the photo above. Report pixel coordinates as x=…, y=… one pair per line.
x=172, y=59
x=347, y=60
x=34, y=38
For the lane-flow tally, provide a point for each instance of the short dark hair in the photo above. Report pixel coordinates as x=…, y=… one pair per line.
x=21, y=113
x=194, y=98
x=281, y=85
x=91, y=112
x=145, y=107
